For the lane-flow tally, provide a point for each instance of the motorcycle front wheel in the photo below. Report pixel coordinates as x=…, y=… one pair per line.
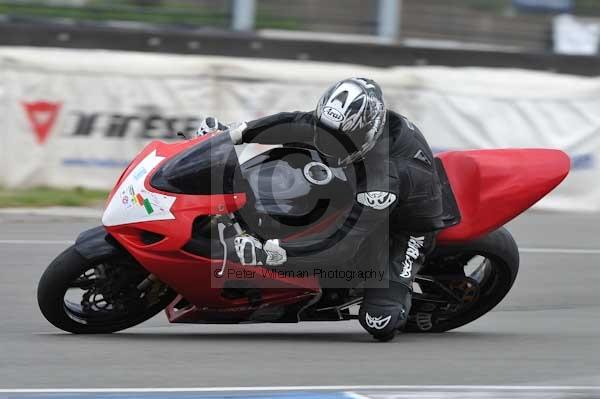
x=98, y=297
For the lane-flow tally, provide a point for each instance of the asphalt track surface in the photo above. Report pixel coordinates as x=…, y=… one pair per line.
x=545, y=333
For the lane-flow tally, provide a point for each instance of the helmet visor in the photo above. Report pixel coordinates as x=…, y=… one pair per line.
x=335, y=145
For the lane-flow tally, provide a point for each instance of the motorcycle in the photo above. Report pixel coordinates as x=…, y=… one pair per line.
x=163, y=243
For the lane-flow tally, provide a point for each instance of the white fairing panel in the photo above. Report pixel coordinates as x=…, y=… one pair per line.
x=132, y=203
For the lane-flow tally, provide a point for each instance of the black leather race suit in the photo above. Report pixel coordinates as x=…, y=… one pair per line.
x=397, y=207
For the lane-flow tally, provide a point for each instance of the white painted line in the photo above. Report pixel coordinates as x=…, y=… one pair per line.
x=354, y=395
x=564, y=251
x=55, y=211
x=36, y=242
x=558, y=388
x=530, y=250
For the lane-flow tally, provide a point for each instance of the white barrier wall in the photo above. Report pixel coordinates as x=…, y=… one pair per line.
x=76, y=117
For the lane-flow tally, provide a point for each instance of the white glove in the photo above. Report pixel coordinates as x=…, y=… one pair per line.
x=210, y=124
x=252, y=252
x=236, y=130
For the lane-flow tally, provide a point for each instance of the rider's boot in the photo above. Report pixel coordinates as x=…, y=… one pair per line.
x=384, y=311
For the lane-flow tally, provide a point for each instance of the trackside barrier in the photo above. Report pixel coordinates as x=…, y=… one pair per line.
x=76, y=117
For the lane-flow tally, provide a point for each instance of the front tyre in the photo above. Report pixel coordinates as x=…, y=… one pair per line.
x=101, y=296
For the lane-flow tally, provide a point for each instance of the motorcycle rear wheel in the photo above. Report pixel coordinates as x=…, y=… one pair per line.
x=496, y=274
x=110, y=300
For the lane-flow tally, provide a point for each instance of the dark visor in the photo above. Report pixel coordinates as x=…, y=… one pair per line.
x=334, y=145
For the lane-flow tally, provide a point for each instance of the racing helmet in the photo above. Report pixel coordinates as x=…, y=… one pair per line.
x=350, y=117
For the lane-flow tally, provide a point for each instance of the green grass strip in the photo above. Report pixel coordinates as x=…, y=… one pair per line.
x=44, y=196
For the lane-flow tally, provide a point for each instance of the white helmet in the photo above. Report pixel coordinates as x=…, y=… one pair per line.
x=350, y=118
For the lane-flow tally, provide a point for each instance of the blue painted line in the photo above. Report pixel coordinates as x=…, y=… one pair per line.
x=583, y=162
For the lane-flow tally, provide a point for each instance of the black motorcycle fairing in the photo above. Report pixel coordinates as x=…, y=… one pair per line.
x=280, y=187
x=282, y=196
x=97, y=243
x=210, y=167
x=451, y=216
x=277, y=183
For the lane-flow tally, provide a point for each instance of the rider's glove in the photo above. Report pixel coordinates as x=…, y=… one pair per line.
x=210, y=124
x=253, y=252
x=236, y=130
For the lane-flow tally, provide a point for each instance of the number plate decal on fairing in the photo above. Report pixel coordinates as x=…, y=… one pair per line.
x=132, y=203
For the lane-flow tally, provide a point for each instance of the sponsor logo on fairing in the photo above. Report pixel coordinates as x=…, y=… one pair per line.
x=137, y=199
x=412, y=254
x=133, y=203
x=140, y=173
x=377, y=322
x=376, y=199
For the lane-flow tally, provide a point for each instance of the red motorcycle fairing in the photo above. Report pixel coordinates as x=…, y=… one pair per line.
x=158, y=246
x=492, y=187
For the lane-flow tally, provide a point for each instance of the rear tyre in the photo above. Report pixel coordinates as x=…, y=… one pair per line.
x=488, y=283
x=109, y=298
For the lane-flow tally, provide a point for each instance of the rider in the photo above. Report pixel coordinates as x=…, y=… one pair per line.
x=397, y=193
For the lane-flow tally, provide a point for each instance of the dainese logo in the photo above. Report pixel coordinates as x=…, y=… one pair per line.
x=42, y=116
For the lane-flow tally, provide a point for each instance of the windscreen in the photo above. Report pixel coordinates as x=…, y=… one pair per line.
x=208, y=168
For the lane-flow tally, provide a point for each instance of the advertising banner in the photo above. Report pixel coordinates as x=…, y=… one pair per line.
x=77, y=117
